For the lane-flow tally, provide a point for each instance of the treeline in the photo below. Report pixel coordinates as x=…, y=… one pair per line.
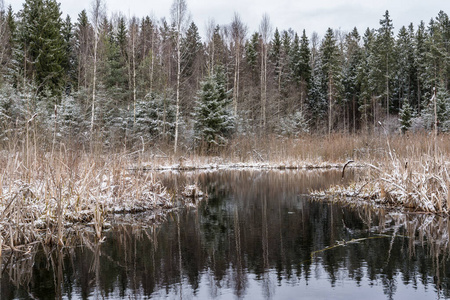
x=145, y=79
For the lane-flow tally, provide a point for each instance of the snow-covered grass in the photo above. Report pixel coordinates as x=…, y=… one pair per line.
x=413, y=175
x=46, y=190
x=43, y=195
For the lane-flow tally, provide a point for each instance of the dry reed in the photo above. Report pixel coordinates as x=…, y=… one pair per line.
x=411, y=173
x=44, y=194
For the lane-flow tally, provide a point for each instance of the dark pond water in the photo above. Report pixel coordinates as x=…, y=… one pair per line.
x=258, y=236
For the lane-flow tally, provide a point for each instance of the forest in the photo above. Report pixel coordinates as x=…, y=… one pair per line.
x=129, y=82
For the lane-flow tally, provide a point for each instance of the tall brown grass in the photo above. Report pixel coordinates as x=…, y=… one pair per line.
x=410, y=171
x=308, y=150
x=44, y=192
x=48, y=185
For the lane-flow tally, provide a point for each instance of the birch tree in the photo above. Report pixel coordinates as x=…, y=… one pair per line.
x=238, y=33
x=98, y=10
x=265, y=31
x=180, y=21
x=134, y=31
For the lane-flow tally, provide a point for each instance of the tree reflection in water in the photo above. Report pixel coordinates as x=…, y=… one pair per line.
x=257, y=236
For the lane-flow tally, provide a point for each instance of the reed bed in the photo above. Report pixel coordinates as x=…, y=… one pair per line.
x=308, y=151
x=43, y=194
x=412, y=174
x=44, y=191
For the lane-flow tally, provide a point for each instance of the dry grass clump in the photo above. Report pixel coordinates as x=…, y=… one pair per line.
x=413, y=174
x=41, y=195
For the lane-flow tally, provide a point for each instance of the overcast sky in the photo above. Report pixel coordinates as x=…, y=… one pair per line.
x=311, y=15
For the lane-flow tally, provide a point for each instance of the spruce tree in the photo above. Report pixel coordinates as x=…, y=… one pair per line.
x=275, y=58
x=403, y=86
x=191, y=46
x=82, y=35
x=192, y=49
x=420, y=65
x=351, y=79
x=406, y=115
x=305, y=68
x=42, y=45
x=385, y=60
x=213, y=119
x=69, y=63
x=331, y=73
x=367, y=77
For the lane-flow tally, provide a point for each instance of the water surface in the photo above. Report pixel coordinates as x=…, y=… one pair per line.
x=258, y=236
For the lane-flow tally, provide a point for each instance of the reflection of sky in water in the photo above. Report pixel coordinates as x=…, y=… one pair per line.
x=253, y=239
x=317, y=289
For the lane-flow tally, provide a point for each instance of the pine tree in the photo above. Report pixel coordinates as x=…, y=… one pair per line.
x=213, y=119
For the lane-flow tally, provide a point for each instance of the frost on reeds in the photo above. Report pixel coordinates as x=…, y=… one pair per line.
x=42, y=197
x=415, y=181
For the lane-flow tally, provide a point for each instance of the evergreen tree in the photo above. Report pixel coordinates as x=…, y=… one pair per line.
x=385, y=60
x=114, y=70
x=420, y=65
x=191, y=49
x=279, y=55
x=155, y=117
x=42, y=44
x=317, y=100
x=351, y=79
x=331, y=72
x=4, y=44
x=442, y=102
x=275, y=58
x=213, y=120
x=304, y=67
x=295, y=60
x=439, y=51
x=406, y=115
x=367, y=76
x=69, y=64
x=252, y=51
x=403, y=88
x=83, y=35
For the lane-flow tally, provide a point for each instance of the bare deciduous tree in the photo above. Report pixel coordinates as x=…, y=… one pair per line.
x=180, y=21
x=97, y=12
x=238, y=33
x=134, y=31
x=265, y=31
x=210, y=28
